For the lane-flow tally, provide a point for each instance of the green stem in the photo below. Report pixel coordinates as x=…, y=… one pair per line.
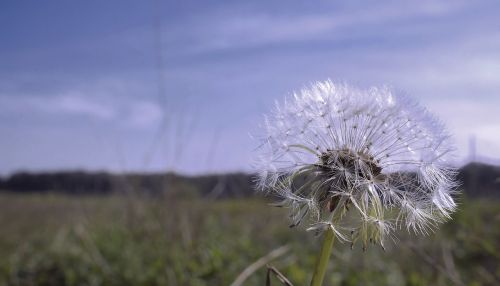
x=324, y=256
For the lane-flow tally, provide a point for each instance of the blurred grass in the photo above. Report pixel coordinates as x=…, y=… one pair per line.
x=119, y=240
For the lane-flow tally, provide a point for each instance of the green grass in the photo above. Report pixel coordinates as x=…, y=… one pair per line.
x=58, y=240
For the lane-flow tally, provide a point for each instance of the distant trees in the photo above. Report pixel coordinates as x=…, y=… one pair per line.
x=478, y=180
x=79, y=182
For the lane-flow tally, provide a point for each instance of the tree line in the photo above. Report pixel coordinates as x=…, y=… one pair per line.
x=477, y=180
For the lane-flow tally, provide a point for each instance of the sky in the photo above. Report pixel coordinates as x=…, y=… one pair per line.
x=182, y=86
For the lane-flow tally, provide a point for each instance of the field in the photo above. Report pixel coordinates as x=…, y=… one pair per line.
x=125, y=240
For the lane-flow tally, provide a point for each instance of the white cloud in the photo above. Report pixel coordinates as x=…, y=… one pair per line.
x=66, y=104
x=144, y=114
x=226, y=29
x=77, y=105
x=466, y=118
x=124, y=111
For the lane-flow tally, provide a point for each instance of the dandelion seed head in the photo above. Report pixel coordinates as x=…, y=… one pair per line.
x=334, y=149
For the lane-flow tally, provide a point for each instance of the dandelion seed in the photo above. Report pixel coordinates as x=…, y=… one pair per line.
x=358, y=161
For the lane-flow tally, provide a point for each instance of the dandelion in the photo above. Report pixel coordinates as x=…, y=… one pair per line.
x=357, y=164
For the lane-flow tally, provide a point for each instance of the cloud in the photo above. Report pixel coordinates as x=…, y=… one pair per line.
x=144, y=114
x=78, y=105
x=72, y=104
x=223, y=30
x=466, y=118
x=126, y=112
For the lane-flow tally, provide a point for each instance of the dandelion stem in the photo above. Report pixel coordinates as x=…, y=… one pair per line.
x=324, y=256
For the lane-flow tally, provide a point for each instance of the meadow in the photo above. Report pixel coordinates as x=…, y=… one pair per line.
x=54, y=239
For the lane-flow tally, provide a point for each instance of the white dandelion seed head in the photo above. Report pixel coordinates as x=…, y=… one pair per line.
x=334, y=149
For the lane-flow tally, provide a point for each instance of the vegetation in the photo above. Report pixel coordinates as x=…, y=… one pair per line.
x=123, y=240
x=478, y=180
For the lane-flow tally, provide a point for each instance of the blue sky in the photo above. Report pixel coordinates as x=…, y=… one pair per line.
x=179, y=85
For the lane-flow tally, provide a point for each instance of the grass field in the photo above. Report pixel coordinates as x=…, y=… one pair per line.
x=58, y=240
